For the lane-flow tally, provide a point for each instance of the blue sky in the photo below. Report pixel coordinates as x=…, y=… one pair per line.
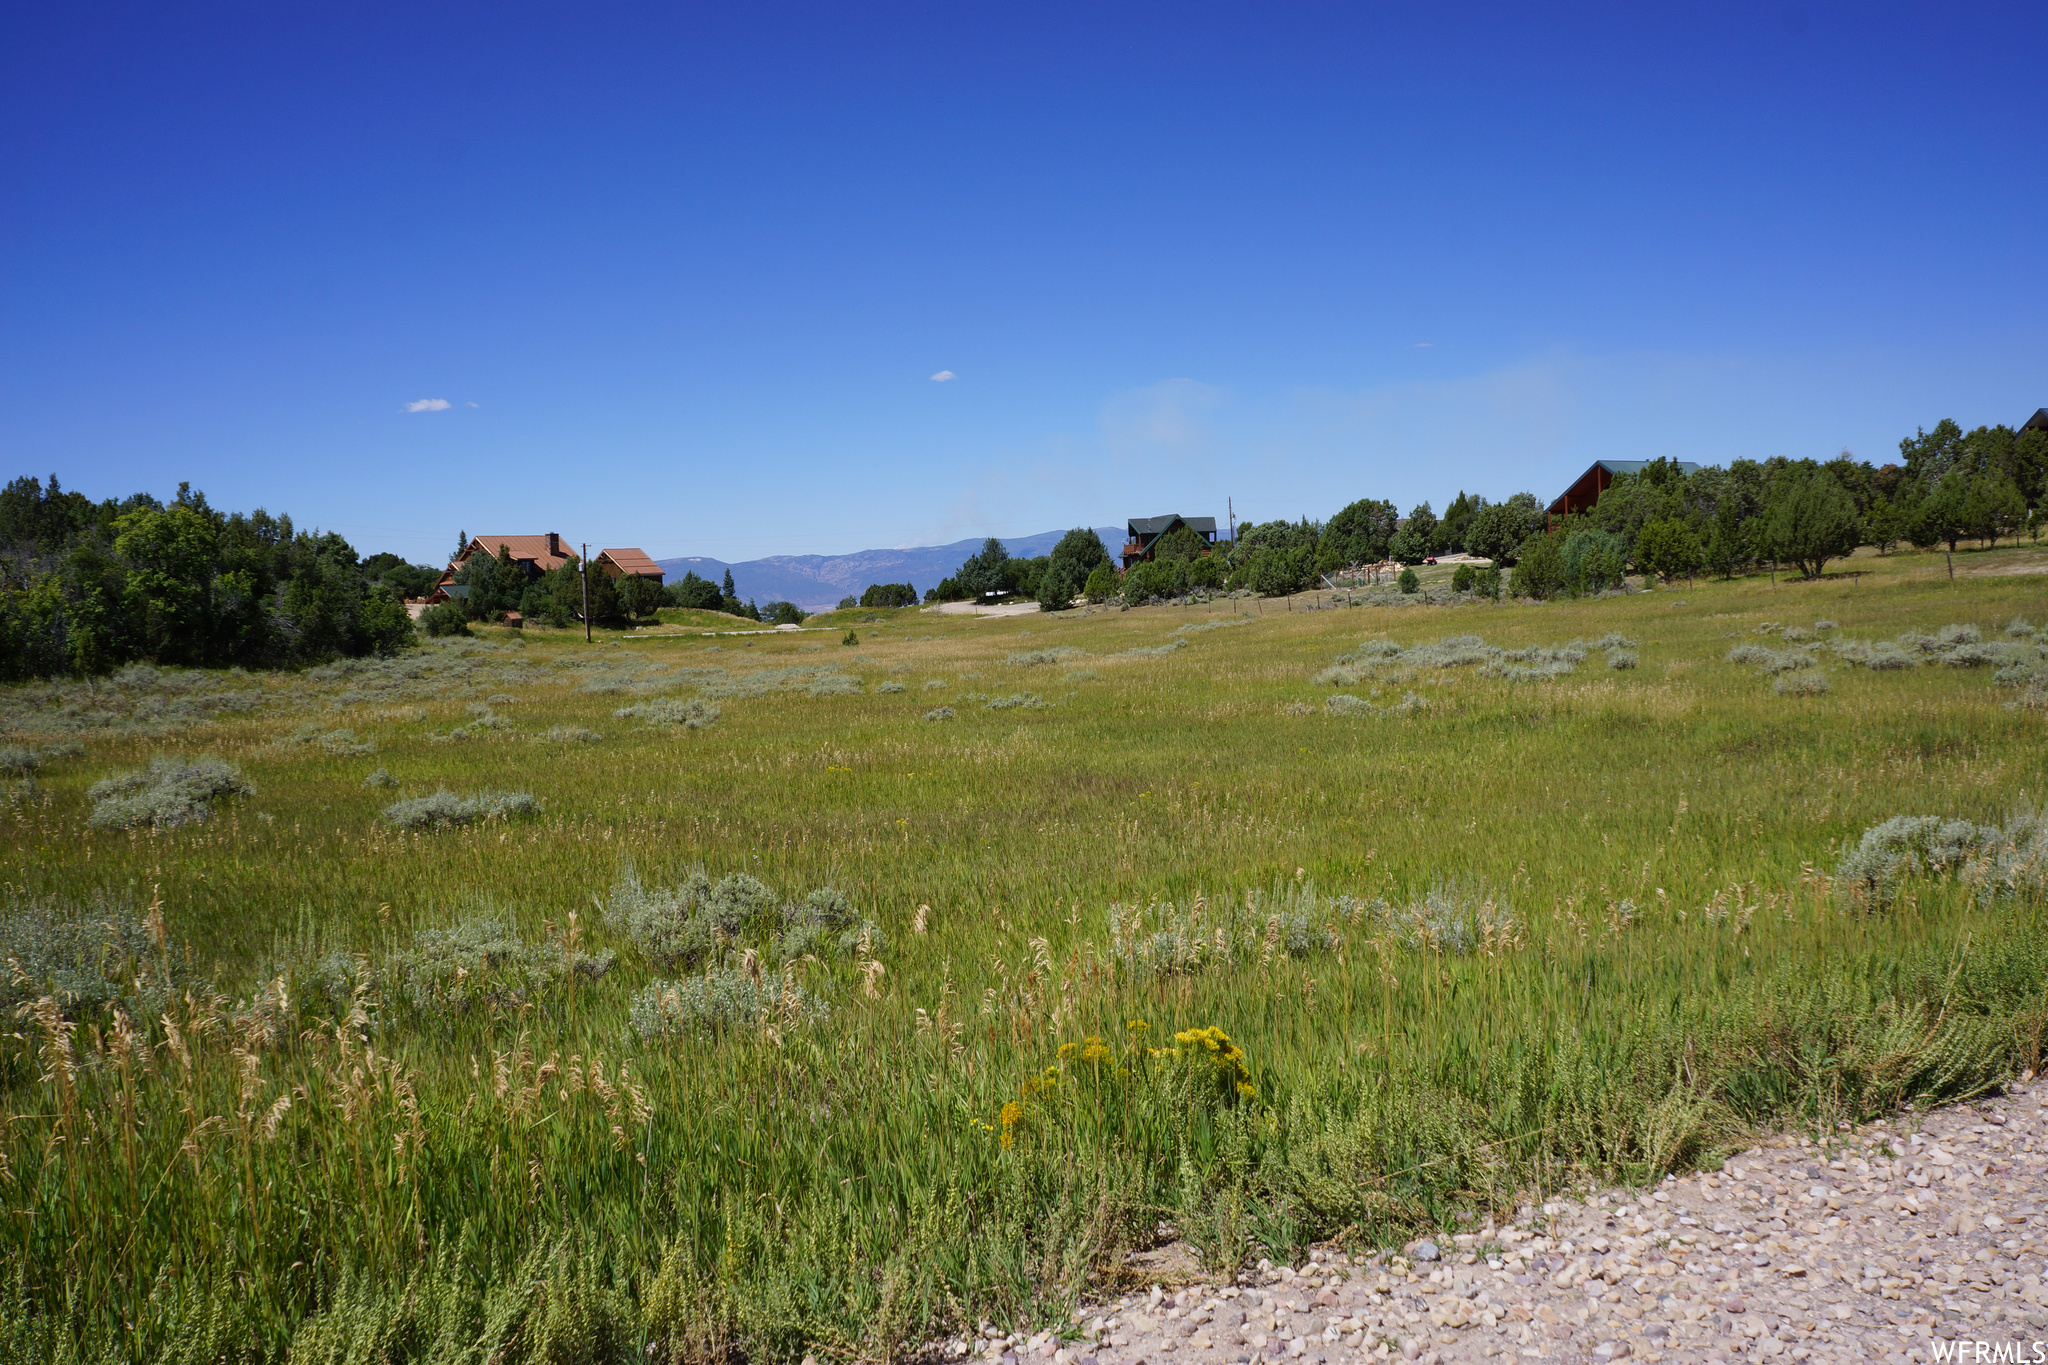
x=682, y=275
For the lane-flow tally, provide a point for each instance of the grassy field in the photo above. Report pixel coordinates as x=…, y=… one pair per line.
x=1139, y=933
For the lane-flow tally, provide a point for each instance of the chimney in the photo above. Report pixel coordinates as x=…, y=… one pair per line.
x=554, y=545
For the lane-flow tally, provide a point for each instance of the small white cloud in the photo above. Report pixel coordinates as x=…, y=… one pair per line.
x=1423, y=345
x=429, y=405
x=942, y=376
x=468, y=405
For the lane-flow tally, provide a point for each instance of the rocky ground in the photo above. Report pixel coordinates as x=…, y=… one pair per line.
x=1899, y=1241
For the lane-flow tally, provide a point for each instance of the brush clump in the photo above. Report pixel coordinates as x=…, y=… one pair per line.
x=1806, y=682
x=1344, y=704
x=744, y=947
x=443, y=809
x=1457, y=918
x=682, y=926
x=694, y=714
x=2003, y=862
x=483, y=961
x=1952, y=646
x=87, y=959
x=18, y=760
x=739, y=996
x=1035, y=658
x=170, y=792
x=1772, y=660
x=1384, y=659
x=569, y=734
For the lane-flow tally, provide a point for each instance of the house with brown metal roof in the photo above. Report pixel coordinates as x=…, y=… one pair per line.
x=534, y=555
x=628, y=564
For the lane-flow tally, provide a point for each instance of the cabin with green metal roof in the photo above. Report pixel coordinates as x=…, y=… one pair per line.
x=1143, y=534
x=1587, y=488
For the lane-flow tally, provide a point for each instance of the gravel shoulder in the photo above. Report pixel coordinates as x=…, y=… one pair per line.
x=1905, y=1240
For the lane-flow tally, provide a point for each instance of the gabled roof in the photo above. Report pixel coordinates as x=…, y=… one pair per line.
x=1637, y=466
x=544, y=552
x=633, y=563
x=1152, y=526
x=2038, y=422
x=1586, y=489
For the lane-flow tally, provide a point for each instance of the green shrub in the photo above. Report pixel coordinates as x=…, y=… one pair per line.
x=380, y=778
x=940, y=713
x=562, y=1302
x=1591, y=560
x=1151, y=580
x=168, y=793
x=1539, y=568
x=1464, y=578
x=444, y=619
x=1409, y=581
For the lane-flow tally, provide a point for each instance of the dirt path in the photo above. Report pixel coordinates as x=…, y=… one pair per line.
x=976, y=609
x=1900, y=1243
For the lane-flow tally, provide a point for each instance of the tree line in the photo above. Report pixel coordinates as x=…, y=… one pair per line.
x=704, y=595
x=1053, y=580
x=86, y=587
x=491, y=587
x=1947, y=486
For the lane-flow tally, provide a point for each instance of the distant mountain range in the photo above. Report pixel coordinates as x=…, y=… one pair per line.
x=817, y=582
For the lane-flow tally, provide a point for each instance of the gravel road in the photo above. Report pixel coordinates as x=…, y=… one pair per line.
x=1907, y=1240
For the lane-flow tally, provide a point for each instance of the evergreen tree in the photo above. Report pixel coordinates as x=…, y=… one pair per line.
x=1811, y=520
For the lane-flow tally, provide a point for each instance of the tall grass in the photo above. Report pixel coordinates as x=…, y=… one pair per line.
x=1167, y=950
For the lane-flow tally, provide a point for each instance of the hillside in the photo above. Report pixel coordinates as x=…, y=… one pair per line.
x=818, y=581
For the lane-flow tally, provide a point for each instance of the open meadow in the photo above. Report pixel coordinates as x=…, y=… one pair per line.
x=679, y=995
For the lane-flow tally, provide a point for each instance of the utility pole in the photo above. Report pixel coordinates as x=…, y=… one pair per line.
x=583, y=570
x=1232, y=505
